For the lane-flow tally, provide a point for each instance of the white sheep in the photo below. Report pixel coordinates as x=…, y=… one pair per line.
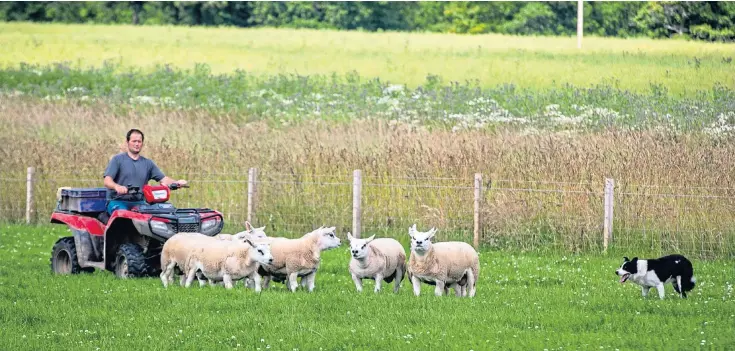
x=448, y=264
x=293, y=258
x=249, y=233
x=176, y=251
x=378, y=259
x=226, y=262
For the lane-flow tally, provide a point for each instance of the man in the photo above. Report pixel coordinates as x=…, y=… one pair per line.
x=130, y=168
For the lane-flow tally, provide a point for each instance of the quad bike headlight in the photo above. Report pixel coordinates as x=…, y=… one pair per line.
x=161, y=228
x=211, y=226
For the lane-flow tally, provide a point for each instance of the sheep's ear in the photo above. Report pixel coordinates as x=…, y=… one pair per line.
x=370, y=238
x=248, y=226
x=431, y=233
x=261, y=228
x=349, y=236
x=412, y=230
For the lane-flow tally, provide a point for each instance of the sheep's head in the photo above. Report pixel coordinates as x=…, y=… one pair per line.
x=359, y=247
x=326, y=238
x=261, y=252
x=421, y=241
x=255, y=233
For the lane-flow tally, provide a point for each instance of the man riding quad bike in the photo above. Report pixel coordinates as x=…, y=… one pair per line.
x=123, y=228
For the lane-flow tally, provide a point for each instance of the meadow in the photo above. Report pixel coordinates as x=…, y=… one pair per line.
x=402, y=58
x=524, y=301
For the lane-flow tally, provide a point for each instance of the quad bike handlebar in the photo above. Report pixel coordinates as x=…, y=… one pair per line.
x=136, y=194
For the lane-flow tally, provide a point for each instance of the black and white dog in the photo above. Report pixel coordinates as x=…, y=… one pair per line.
x=654, y=273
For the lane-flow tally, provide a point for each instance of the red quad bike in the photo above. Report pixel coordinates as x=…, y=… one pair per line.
x=129, y=242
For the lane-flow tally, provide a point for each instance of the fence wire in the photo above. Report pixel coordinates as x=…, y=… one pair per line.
x=675, y=219
x=527, y=215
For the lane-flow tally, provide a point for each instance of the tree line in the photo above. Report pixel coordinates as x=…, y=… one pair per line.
x=710, y=20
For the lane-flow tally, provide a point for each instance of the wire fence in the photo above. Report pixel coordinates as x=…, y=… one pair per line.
x=526, y=215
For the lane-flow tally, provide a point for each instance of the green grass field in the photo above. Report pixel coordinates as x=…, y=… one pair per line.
x=405, y=58
x=526, y=302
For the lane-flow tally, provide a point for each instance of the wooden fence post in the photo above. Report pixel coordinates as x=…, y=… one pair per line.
x=30, y=206
x=608, y=223
x=356, y=202
x=478, y=194
x=252, y=192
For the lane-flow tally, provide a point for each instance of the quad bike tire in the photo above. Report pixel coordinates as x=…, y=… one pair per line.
x=130, y=261
x=64, y=258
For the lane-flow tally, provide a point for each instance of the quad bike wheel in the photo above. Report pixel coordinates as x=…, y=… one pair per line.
x=130, y=261
x=64, y=258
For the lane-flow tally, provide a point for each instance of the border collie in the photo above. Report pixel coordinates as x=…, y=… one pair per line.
x=654, y=273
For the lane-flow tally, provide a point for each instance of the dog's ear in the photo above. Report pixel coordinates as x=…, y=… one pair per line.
x=635, y=259
x=625, y=259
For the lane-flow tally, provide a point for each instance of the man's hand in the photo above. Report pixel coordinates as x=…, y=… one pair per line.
x=121, y=190
x=182, y=183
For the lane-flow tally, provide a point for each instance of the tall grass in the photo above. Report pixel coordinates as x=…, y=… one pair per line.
x=542, y=191
x=405, y=58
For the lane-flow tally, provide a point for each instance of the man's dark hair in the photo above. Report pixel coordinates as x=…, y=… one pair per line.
x=130, y=132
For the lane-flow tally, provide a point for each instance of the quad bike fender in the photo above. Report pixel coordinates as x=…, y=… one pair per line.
x=87, y=237
x=82, y=223
x=123, y=227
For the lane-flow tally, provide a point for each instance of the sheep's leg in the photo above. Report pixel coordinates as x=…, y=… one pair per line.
x=256, y=282
x=292, y=283
x=310, y=281
x=167, y=274
x=416, y=285
x=182, y=278
x=378, y=282
x=471, y=284
x=190, y=276
x=439, y=288
x=358, y=282
x=399, y=278
x=227, y=279
x=202, y=281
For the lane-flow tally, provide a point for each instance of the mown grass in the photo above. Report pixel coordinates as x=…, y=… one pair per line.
x=405, y=58
x=524, y=301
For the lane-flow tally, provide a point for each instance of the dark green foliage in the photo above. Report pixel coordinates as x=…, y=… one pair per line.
x=698, y=20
